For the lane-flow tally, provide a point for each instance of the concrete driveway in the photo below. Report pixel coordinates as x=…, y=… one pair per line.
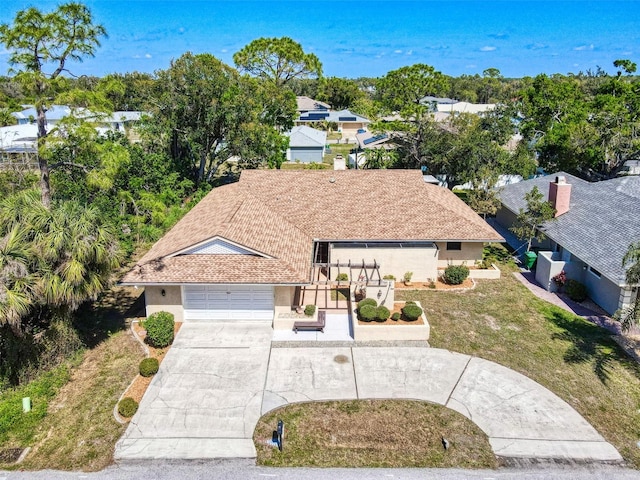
x=206, y=399
x=218, y=379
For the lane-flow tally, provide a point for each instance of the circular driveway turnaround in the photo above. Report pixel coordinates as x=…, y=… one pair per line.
x=218, y=379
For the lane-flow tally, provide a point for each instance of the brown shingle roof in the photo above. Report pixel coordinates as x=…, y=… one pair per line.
x=279, y=214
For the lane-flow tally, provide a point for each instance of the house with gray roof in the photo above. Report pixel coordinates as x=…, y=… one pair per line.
x=347, y=122
x=306, y=144
x=594, y=226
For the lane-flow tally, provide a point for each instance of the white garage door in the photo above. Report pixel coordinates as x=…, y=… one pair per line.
x=226, y=302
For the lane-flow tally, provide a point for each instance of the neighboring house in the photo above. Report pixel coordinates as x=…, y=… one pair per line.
x=348, y=123
x=306, y=144
x=595, y=224
x=306, y=104
x=246, y=249
x=466, y=107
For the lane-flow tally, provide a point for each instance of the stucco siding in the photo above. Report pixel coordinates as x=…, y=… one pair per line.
x=305, y=154
x=469, y=254
x=423, y=262
x=283, y=296
x=602, y=291
x=171, y=301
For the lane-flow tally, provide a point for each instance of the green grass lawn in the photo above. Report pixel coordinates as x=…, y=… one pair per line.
x=502, y=321
x=373, y=433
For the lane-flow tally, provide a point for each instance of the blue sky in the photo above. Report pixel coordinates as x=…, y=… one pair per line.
x=367, y=38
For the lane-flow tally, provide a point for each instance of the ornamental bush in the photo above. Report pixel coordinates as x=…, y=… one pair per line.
x=367, y=301
x=368, y=313
x=309, y=310
x=342, y=277
x=382, y=313
x=395, y=316
x=411, y=312
x=149, y=367
x=575, y=290
x=455, y=274
x=159, y=327
x=127, y=407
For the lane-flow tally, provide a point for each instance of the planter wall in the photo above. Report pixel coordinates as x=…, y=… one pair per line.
x=375, y=331
x=284, y=318
x=487, y=273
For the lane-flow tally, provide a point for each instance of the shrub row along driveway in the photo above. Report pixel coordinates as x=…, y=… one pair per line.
x=218, y=379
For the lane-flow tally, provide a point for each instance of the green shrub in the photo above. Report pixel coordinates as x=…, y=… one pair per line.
x=407, y=276
x=149, y=367
x=127, y=407
x=410, y=302
x=395, y=316
x=411, y=312
x=367, y=301
x=575, y=290
x=342, y=277
x=309, y=310
x=382, y=313
x=389, y=277
x=455, y=274
x=367, y=313
x=159, y=327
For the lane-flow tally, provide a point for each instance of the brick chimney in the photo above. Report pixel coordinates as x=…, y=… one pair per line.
x=560, y=195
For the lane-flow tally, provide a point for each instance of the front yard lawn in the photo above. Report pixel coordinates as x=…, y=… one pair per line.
x=500, y=320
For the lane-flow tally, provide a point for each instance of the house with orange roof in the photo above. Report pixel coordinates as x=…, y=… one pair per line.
x=247, y=248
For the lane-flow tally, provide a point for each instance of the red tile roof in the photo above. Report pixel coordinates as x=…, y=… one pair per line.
x=280, y=213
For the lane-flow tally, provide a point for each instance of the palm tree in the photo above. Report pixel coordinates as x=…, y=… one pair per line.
x=16, y=282
x=630, y=315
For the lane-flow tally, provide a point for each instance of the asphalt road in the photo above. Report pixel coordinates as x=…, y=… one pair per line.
x=243, y=470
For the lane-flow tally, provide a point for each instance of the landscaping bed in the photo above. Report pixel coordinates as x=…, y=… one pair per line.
x=438, y=285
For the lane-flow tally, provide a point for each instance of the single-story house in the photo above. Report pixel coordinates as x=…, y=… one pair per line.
x=306, y=144
x=348, y=123
x=115, y=121
x=595, y=224
x=247, y=248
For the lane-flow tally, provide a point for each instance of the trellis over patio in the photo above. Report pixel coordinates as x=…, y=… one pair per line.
x=368, y=273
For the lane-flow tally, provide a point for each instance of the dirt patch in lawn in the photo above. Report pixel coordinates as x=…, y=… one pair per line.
x=373, y=433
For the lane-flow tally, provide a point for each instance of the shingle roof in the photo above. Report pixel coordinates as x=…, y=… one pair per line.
x=602, y=221
x=280, y=213
x=306, y=103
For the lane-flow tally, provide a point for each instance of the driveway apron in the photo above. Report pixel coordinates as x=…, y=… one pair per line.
x=206, y=398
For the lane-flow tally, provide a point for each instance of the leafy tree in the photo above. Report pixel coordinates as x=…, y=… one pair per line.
x=206, y=113
x=278, y=60
x=403, y=89
x=40, y=41
x=530, y=222
x=340, y=93
x=6, y=118
x=630, y=315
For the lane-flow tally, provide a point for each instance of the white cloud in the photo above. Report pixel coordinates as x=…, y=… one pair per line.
x=487, y=49
x=147, y=55
x=409, y=52
x=584, y=47
x=224, y=50
x=397, y=51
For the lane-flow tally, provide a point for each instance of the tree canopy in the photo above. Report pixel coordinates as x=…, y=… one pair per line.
x=278, y=60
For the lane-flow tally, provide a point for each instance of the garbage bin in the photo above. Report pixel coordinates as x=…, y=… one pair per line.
x=530, y=259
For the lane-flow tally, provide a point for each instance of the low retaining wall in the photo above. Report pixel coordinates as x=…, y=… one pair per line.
x=486, y=273
x=284, y=318
x=377, y=331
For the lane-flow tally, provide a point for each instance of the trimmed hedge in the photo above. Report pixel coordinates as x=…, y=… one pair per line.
x=455, y=274
x=575, y=290
x=368, y=313
x=367, y=301
x=342, y=277
x=411, y=312
x=149, y=367
x=127, y=407
x=309, y=310
x=159, y=327
x=382, y=313
x=395, y=316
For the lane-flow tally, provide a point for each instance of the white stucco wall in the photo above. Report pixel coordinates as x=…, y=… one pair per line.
x=470, y=253
x=171, y=302
x=423, y=262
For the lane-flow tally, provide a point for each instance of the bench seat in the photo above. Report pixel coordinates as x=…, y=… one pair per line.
x=317, y=325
